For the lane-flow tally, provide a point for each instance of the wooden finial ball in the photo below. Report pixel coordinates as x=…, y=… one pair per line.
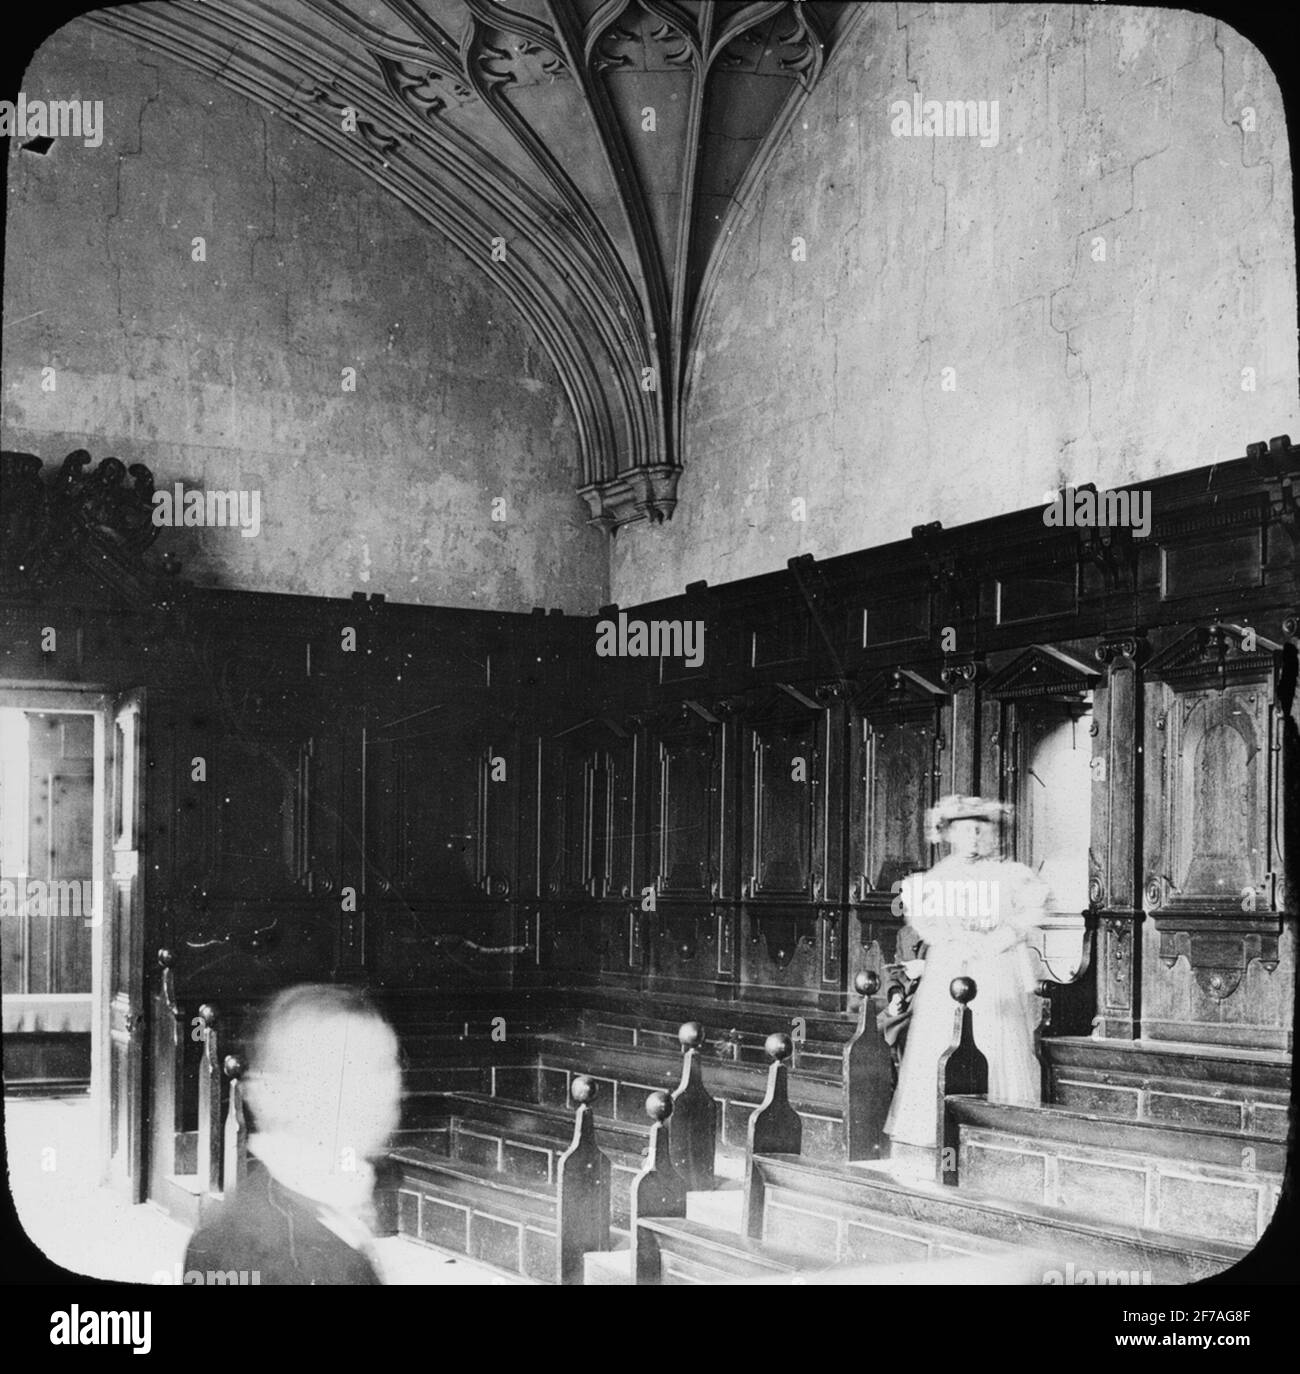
x=207, y=1013
x=659, y=1106
x=233, y=1066
x=583, y=1089
x=691, y=1035
x=778, y=1046
x=962, y=990
x=867, y=983
x=165, y=958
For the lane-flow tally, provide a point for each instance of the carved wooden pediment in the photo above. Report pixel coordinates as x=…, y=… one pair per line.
x=784, y=701
x=1214, y=651
x=1042, y=671
x=594, y=731
x=898, y=689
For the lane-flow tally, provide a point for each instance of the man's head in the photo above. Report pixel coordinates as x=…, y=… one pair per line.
x=324, y=1070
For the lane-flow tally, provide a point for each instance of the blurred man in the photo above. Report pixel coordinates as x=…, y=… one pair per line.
x=324, y=1090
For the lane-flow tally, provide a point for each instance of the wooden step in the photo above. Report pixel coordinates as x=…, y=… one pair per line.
x=691, y=1252
x=859, y=1214
x=1181, y=1179
x=1221, y=1086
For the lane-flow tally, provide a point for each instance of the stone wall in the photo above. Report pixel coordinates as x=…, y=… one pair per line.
x=1086, y=299
x=228, y=373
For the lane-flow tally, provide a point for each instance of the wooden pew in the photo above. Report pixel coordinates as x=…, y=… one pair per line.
x=659, y=1190
x=666, y=1247
x=167, y=1048
x=582, y=1190
x=868, y=1080
x=234, y=1151
x=962, y=1070
x=211, y=1127
x=693, y=1133
x=534, y=1227
x=774, y=1129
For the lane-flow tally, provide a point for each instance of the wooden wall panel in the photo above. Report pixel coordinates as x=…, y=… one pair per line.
x=370, y=767
x=1216, y=965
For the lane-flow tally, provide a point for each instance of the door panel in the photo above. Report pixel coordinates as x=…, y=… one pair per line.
x=687, y=831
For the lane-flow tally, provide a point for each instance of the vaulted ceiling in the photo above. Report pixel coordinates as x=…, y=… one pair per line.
x=591, y=156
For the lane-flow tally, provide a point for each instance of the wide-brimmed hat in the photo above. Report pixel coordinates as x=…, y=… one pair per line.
x=957, y=808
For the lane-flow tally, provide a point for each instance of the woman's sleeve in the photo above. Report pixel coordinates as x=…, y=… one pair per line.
x=1030, y=896
x=928, y=926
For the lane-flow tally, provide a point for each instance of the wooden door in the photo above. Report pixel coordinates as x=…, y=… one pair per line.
x=60, y=849
x=124, y=950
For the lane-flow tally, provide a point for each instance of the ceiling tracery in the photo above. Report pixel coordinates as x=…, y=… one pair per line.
x=604, y=146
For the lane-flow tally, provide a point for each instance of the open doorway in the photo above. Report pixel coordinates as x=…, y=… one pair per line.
x=71, y=804
x=51, y=897
x=1051, y=787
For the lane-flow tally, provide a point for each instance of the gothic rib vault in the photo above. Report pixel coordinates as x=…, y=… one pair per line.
x=607, y=146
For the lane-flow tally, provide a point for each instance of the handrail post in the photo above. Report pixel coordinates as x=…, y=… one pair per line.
x=168, y=1067
x=582, y=1190
x=235, y=1154
x=657, y=1191
x=868, y=1082
x=693, y=1134
x=210, y=1126
x=774, y=1129
x=963, y=1070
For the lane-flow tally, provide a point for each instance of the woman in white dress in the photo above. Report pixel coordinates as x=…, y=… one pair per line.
x=975, y=911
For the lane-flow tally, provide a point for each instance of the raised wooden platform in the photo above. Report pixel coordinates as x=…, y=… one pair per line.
x=1225, y=1087
x=859, y=1213
x=1178, y=1179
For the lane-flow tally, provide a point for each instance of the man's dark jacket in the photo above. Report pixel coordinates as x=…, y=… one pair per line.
x=278, y=1234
